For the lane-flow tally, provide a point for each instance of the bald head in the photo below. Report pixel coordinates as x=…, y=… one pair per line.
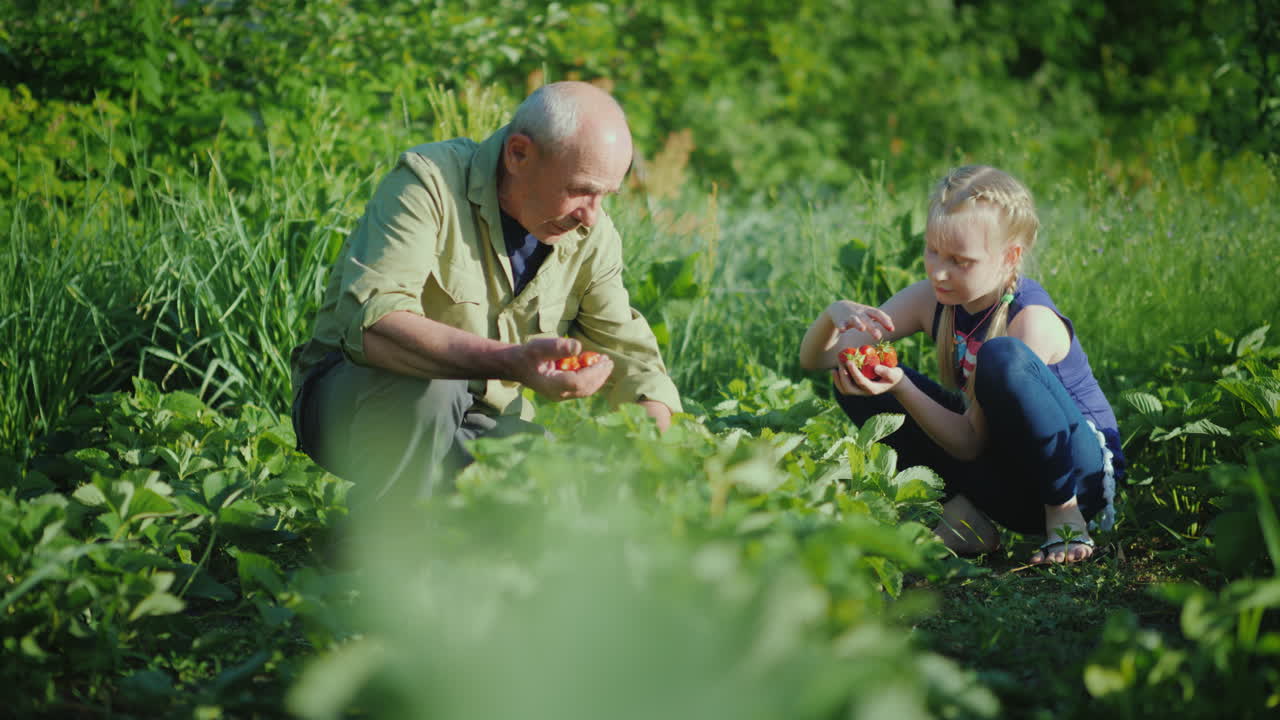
x=565, y=116
x=568, y=147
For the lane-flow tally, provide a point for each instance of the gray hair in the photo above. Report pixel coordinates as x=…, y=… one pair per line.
x=549, y=116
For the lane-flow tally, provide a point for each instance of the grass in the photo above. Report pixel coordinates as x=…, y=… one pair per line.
x=1031, y=631
x=202, y=283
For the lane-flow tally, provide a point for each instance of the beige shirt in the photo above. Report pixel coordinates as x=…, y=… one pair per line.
x=431, y=243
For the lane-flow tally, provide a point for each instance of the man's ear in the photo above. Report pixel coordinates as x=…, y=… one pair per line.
x=518, y=151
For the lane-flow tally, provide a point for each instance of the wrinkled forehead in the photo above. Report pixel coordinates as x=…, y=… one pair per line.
x=974, y=228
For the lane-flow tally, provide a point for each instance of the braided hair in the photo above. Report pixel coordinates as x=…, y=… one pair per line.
x=964, y=195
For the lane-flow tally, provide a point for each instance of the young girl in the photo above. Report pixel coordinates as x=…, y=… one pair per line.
x=1021, y=433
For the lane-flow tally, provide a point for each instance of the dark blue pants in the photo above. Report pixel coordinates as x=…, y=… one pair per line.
x=1040, y=449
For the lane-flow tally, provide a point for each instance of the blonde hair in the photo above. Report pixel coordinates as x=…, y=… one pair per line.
x=981, y=193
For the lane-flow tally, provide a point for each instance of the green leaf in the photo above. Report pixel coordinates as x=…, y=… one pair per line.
x=220, y=489
x=205, y=587
x=273, y=615
x=157, y=603
x=240, y=673
x=857, y=460
x=883, y=461
x=1265, y=595
x=1199, y=427
x=331, y=682
x=258, y=571
x=90, y=495
x=853, y=258
x=675, y=278
x=758, y=474
x=917, y=483
x=1253, y=341
x=1148, y=405
x=149, y=82
x=878, y=428
x=836, y=447
x=96, y=459
x=31, y=648
x=1103, y=680
x=890, y=576
x=148, y=502
x=1262, y=394
x=183, y=404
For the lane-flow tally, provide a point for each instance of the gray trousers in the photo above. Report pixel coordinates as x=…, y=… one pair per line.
x=396, y=437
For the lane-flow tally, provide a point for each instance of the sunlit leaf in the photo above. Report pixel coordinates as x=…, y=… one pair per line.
x=157, y=603
x=879, y=427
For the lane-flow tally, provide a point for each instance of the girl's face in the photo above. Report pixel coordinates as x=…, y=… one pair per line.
x=967, y=259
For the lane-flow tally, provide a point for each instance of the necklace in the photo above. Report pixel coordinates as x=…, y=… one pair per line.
x=963, y=346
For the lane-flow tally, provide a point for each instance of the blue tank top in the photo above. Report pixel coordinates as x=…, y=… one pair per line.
x=1073, y=371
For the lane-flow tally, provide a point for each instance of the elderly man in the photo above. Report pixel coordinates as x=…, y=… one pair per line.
x=474, y=268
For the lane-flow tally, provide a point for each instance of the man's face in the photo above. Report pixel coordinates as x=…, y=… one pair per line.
x=552, y=194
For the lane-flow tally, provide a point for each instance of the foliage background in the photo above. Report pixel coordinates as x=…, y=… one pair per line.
x=177, y=177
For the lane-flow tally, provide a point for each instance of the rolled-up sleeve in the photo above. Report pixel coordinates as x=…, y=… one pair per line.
x=392, y=252
x=607, y=323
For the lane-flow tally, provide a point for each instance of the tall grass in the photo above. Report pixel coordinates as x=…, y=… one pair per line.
x=200, y=283
x=232, y=288
x=187, y=277
x=65, y=308
x=1191, y=252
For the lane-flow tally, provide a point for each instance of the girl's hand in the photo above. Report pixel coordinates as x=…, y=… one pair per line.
x=850, y=381
x=849, y=315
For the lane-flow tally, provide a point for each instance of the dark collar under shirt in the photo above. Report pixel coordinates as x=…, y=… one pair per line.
x=524, y=250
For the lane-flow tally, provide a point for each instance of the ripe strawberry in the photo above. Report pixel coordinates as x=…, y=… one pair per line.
x=864, y=359
x=569, y=364
x=888, y=354
x=589, y=358
x=868, y=357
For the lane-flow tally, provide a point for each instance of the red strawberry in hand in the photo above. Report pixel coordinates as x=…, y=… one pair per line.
x=870, y=359
x=864, y=359
x=888, y=354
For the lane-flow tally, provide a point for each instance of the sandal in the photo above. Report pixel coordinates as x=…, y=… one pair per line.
x=1044, y=548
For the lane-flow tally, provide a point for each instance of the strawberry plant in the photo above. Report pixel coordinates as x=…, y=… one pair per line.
x=120, y=549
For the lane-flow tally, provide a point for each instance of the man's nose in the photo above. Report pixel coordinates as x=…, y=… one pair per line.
x=587, y=212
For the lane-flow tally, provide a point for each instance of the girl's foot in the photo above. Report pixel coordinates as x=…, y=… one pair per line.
x=964, y=529
x=1064, y=547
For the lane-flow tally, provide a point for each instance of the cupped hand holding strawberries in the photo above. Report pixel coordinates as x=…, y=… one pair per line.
x=867, y=370
x=559, y=369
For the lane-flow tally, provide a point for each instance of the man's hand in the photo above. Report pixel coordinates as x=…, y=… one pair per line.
x=536, y=369
x=660, y=413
